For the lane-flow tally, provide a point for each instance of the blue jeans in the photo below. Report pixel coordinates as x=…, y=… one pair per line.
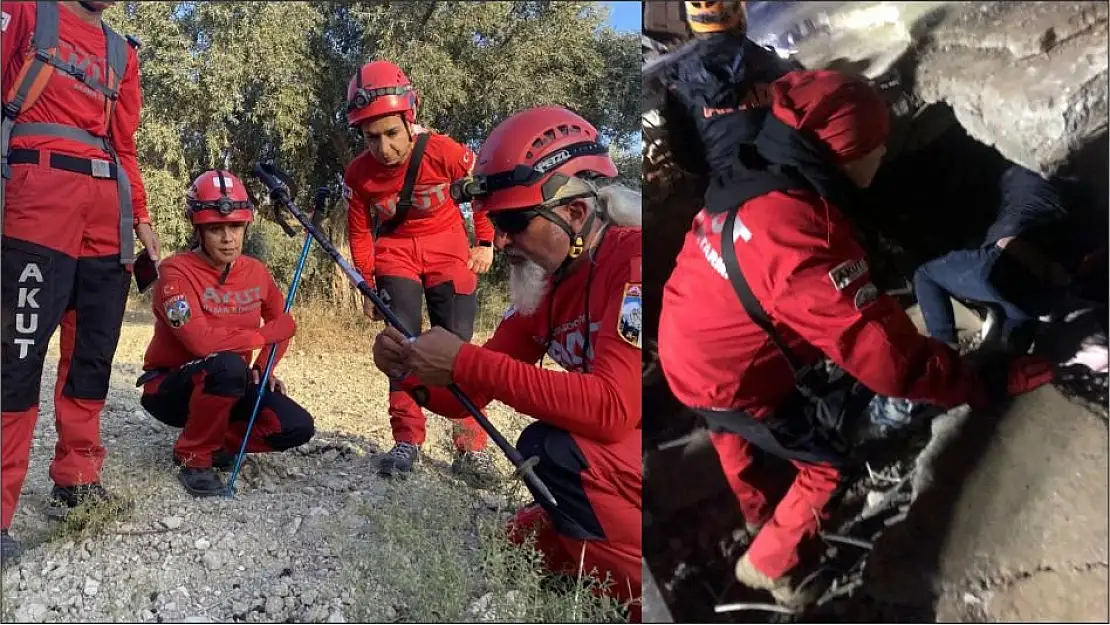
x=965, y=274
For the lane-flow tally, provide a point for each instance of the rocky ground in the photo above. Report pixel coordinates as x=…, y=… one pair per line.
x=312, y=535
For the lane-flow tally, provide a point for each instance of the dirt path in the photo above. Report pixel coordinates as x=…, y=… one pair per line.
x=313, y=535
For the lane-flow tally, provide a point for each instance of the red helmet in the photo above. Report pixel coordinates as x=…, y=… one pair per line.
x=530, y=156
x=218, y=197
x=380, y=88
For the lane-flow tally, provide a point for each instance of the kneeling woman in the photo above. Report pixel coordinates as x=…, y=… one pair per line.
x=213, y=307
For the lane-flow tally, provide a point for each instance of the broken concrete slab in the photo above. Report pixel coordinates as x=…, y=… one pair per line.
x=1012, y=497
x=1028, y=78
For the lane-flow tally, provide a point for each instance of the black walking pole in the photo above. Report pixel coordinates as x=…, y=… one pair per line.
x=271, y=176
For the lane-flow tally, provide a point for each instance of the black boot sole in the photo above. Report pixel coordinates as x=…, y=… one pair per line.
x=197, y=492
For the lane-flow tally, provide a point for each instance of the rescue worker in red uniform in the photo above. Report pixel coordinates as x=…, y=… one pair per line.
x=73, y=202
x=213, y=307
x=575, y=282
x=408, y=238
x=801, y=291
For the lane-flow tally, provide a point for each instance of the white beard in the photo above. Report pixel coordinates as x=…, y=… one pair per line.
x=527, y=286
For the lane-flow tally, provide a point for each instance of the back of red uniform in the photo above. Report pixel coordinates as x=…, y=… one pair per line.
x=195, y=314
x=69, y=102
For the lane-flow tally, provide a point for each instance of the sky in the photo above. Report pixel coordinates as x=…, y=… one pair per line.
x=625, y=16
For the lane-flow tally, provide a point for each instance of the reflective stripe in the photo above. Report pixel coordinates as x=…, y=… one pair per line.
x=62, y=131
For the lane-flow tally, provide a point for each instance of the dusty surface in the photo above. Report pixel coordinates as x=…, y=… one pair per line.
x=1029, y=78
x=313, y=535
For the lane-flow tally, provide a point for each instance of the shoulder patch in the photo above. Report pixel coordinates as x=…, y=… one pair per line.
x=347, y=193
x=5, y=19
x=847, y=272
x=629, y=322
x=177, y=311
x=509, y=313
x=865, y=295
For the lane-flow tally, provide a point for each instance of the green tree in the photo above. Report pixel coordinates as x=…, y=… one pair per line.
x=231, y=83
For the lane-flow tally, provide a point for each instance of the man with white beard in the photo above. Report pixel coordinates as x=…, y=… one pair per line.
x=575, y=254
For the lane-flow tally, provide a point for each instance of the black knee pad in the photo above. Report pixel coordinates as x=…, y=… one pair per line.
x=226, y=375
x=405, y=297
x=441, y=305
x=466, y=309
x=291, y=438
x=560, y=468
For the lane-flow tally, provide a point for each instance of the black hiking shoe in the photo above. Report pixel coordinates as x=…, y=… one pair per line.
x=64, y=499
x=475, y=467
x=399, y=459
x=202, y=482
x=9, y=549
x=222, y=460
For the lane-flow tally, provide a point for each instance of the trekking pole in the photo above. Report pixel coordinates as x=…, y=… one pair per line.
x=317, y=216
x=269, y=174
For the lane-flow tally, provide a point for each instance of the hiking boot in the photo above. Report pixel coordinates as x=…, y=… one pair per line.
x=9, y=549
x=64, y=499
x=475, y=467
x=222, y=460
x=202, y=482
x=399, y=459
x=782, y=589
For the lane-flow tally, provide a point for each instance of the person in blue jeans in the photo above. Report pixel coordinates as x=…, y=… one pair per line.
x=1023, y=268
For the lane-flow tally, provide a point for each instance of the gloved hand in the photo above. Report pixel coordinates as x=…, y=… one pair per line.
x=1007, y=376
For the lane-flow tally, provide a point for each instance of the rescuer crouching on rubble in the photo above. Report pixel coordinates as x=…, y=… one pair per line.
x=213, y=307
x=741, y=323
x=575, y=286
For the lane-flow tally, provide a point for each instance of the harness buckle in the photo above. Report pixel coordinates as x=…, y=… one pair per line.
x=101, y=168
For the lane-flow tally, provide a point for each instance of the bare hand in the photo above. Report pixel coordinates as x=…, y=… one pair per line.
x=480, y=259
x=432, y=356
x=390, y=352
x=370, y=310
x=273, y=382
x=150, y=241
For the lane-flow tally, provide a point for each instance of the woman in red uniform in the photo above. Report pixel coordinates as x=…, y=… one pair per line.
x=575, y=282
x=212, y=308
x=408, y=238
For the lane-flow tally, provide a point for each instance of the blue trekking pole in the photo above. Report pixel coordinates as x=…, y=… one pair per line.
x=321, y=201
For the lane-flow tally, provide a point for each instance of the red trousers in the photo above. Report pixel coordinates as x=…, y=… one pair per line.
x=596, y=529
x=787, y=524
x=433, y=269
x=211, y=399
x=60, y=266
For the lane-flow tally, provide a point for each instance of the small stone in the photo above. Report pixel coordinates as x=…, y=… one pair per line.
x=336, y=617
x=32, y=613
x=91, y=587
x=169, y=607
x=202, y=544
x=274, y=605
x=211, y=560
x=319, y=511
x=172, y=522
x=316, y=614
x=294, y=526
x=195, y=619
x=971, y=599
x=146, y=615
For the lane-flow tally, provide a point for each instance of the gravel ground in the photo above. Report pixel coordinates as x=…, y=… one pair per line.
x=312, y=535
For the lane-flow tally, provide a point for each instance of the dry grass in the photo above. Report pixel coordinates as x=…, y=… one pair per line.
x=437, y=550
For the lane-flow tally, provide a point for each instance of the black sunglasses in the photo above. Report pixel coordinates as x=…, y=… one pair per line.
x=513, y=222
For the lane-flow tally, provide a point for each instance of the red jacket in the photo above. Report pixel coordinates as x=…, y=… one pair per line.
x=801, y=260
x=371, y=186
x=66, y=101
x=196, y=315
x=602, y=404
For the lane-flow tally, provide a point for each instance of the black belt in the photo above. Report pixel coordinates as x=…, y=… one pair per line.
x=95, y=167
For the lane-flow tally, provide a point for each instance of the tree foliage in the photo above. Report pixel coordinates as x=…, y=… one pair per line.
x=230, y=83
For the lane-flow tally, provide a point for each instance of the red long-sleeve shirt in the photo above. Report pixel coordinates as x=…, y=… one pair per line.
x=66, y=101
x=799, y=256
x=372, y=187
x=195, y=315
x=602, y=404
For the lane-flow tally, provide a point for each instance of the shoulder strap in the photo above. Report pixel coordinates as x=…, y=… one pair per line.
x=748, y=299
x=404, y=201
x=37, y=70
x=117, y=67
